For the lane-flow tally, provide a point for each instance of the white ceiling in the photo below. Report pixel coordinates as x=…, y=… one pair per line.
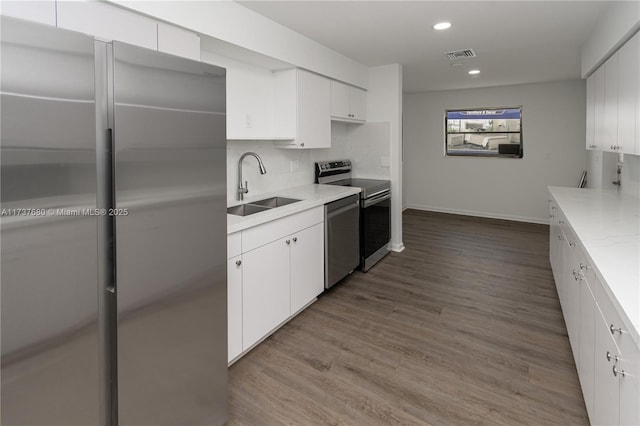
x=516, y=41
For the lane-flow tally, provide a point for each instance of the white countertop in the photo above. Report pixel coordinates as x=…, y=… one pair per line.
x=311, y=195
x=607, y=223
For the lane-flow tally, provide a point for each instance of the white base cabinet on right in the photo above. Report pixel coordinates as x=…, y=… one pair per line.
x=607, y=358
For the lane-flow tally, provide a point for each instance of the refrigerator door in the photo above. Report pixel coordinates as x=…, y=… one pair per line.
x=170, y=227
x=48, y=257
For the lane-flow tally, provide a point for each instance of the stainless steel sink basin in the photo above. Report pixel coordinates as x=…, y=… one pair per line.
x=246, y=209
x=275, y=202
x=260, y=206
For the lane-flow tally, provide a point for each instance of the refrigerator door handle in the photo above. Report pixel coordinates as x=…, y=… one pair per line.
x=110, y=219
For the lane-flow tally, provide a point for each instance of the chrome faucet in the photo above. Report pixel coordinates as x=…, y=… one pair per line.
x=244, y=189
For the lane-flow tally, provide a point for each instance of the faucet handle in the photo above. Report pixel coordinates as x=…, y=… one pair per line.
x=246, y=186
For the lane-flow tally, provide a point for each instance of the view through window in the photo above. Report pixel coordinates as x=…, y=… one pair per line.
x=484, y=132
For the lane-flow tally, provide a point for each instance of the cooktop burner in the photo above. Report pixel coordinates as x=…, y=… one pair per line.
x=339, y=173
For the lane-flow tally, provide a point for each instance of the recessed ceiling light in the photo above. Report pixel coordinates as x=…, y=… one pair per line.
x=442, y=25
x=474, y=72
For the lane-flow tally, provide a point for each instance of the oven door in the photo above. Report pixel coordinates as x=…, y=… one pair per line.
x=375, y=232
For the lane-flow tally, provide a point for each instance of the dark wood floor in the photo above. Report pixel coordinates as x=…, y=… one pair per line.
x=463, y=327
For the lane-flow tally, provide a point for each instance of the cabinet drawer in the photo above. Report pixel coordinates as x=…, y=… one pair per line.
x=263, y=234
x=234, y=244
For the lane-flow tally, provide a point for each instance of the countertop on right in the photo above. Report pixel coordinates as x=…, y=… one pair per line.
x=607, y=223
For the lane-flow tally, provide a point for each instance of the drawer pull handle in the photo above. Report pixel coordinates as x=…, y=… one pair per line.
x=295, y=239
x=575, y=275
x=584, y=267
x=561, y=222
x=288, y=242
x=616, y=372
x=615, y=330
x=572, y=244
x=238, y=262
x=610, y=357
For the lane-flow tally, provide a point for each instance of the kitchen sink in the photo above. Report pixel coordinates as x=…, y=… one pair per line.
x=260, y=206
x=275, y=202
x=246, y=209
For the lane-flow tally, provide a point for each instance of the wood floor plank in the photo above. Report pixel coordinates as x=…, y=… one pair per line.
x=463, y=327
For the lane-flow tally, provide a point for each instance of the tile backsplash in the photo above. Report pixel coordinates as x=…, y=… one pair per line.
x=292, y=167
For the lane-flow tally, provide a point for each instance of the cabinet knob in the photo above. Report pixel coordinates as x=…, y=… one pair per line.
x=302, y=144
x=584, y=267
x=611, y=357
x=616, y=371
x=572, y=244
x=576, y=275
x=614, y=330
x=295, y=239
x=561, y=222
x=288, y=242
x=238, y=262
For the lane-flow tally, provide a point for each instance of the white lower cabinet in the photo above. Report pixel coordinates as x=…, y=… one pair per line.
x=265, y=298
x=606, y=409
x=234, y=307
x=587, y=322
x=279, y=272
x=307, y=274
x=607, y=358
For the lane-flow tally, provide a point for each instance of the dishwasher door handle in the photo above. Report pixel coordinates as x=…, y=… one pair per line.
x=343, y=209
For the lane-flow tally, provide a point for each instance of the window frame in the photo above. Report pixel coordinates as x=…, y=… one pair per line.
x=480, y=154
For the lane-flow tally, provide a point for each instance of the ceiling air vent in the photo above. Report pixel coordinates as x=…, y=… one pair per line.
x=461, y=54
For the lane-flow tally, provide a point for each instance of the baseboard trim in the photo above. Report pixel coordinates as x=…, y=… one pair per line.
x=397, y=247
x=480, y=214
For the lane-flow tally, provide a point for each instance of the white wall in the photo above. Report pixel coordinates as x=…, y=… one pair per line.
x=384, y=104
x=233, y=23
x=286, y=168
x=620, y=22
x=553, y=128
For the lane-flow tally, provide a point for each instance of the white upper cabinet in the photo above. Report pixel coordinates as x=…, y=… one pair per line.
x=629, y=96
x=303, y=106
x=178, y=41
x=598, y=108
x=348, y=103
x=591, y=88
x=37, y=11
x=613, y=102
x=108, y=23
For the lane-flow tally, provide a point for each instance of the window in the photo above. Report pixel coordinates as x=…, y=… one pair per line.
x=484, y=132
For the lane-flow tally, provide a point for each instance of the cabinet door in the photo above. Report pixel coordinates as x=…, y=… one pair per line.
x=611, y=103
x=43, y=11
x=598, y=108
x=587, y=320
x=178, y=41
x=606, y=398
x=630, y=382
x=314, y=109
x=628, y=94
x=307, y=266
x=340, y=100
x=234, y=307
x=591, y=87
x=108, y=22
x=358, y=104
x=265, y=290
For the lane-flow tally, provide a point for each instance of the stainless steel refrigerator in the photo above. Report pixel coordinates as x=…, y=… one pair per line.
x=113, y=233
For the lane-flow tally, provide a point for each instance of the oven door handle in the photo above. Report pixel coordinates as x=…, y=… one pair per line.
x=375, y=200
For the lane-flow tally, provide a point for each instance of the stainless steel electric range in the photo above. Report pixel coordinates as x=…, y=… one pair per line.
x=375, y=208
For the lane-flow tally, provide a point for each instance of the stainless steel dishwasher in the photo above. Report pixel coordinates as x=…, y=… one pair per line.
x=342, y=239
